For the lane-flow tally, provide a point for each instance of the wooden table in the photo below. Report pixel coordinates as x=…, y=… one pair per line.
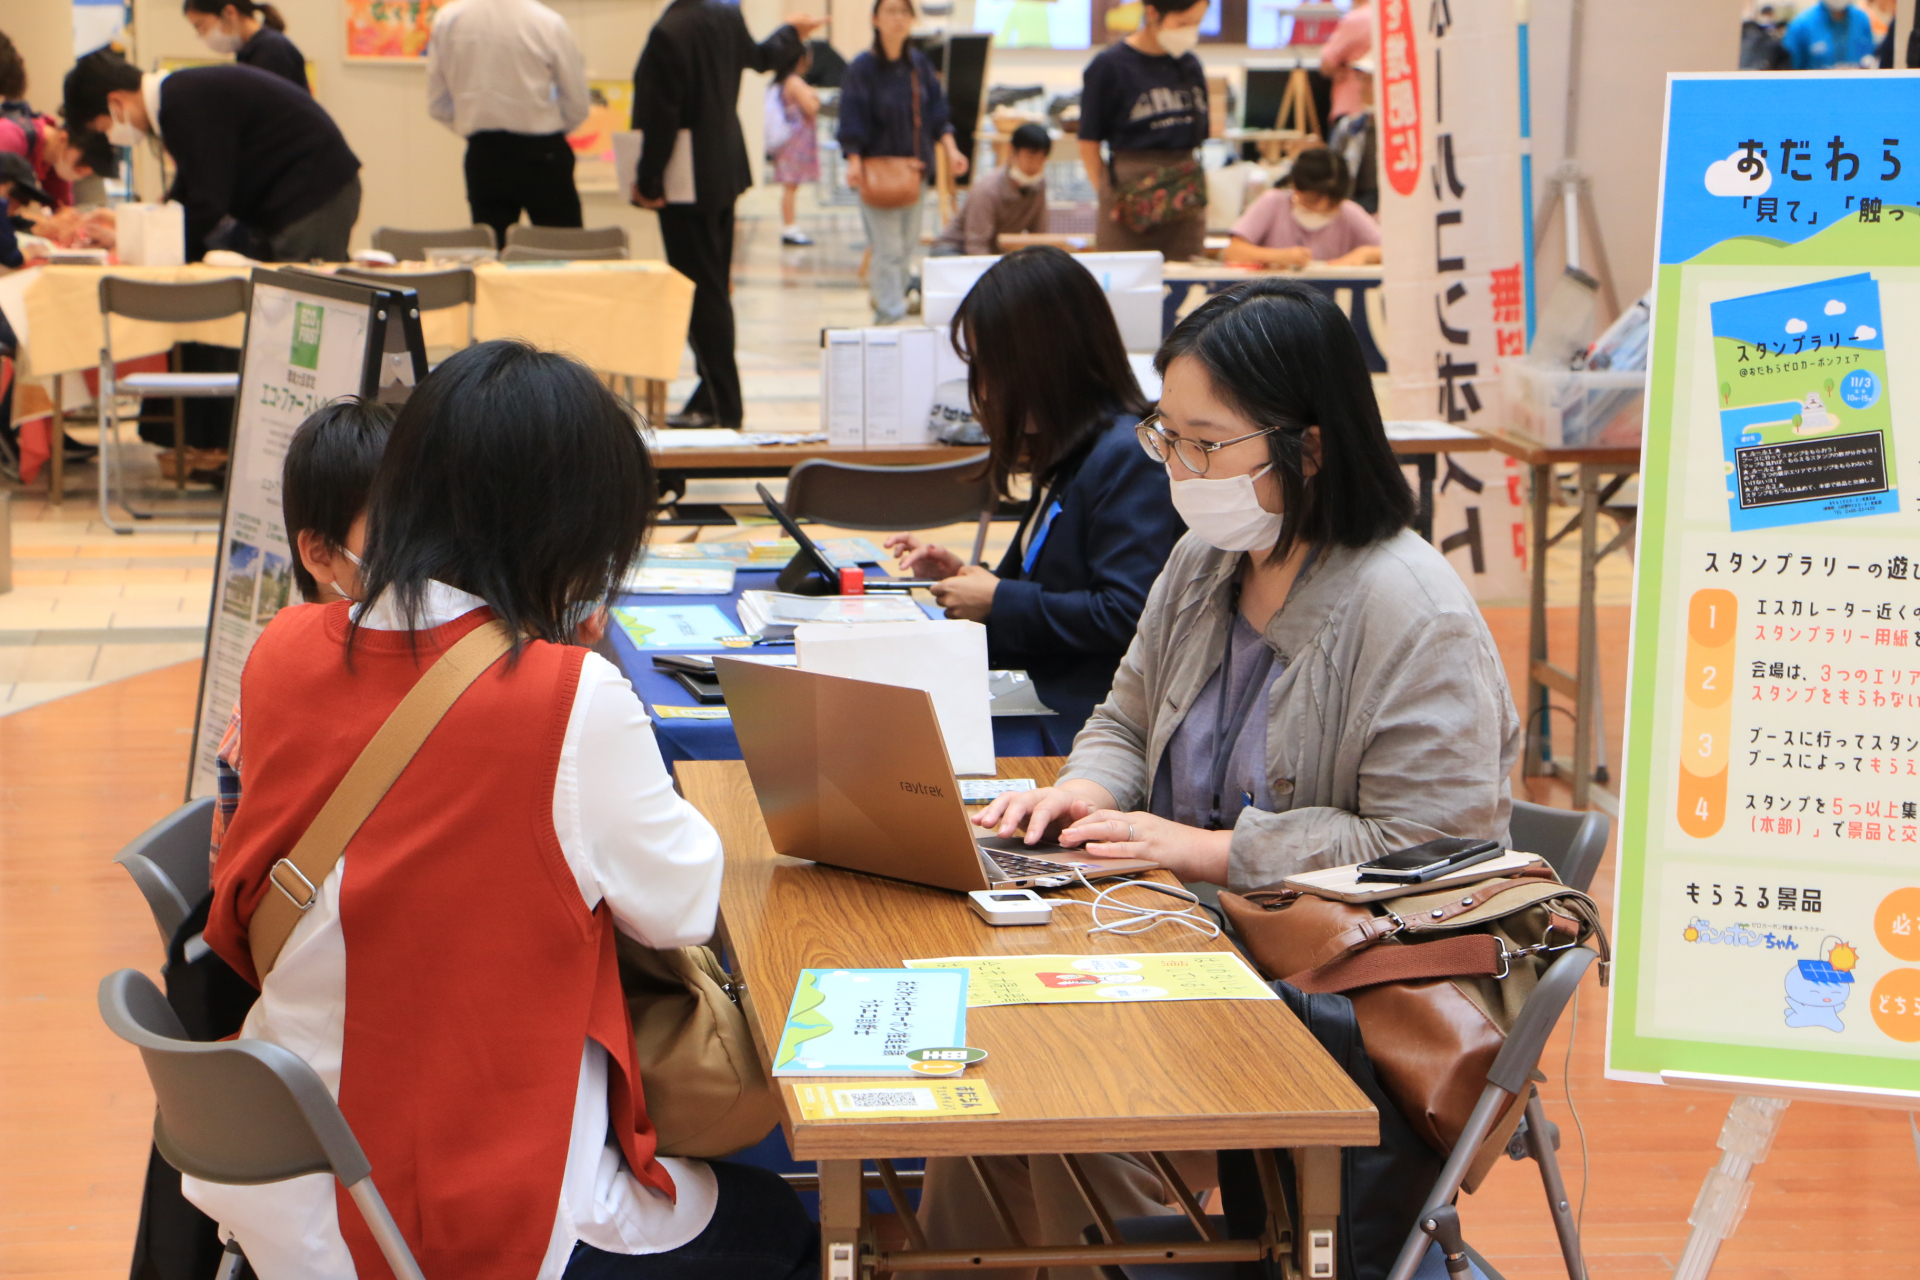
x=1544, y=678
x=749, y=461
x=1182, y=1076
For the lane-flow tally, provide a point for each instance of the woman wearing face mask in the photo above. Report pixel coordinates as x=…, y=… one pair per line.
x=1312, y=222
x=1146, y=98
x=1311, y=684
x=255, y=34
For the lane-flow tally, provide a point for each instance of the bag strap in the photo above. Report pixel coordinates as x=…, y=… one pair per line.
x=913, y=79
x=298, y=876
x=1471, y=955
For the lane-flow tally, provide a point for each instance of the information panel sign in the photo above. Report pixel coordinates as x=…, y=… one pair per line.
x=1768, y=921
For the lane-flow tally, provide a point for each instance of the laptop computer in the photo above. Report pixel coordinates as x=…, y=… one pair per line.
x=854, y=774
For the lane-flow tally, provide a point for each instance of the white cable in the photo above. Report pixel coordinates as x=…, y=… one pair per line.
x=1138, y=919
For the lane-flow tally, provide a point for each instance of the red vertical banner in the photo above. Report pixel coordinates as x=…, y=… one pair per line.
x=1399, y=96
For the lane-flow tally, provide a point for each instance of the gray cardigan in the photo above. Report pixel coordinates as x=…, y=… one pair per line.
x=1392, y=723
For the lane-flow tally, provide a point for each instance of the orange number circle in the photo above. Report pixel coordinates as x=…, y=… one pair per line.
x=1896, y=1005
x=1897, y=924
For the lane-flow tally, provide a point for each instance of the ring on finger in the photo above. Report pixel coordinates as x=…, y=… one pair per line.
x=1131, y=837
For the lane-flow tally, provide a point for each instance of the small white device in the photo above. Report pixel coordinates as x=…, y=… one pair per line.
x=986, y=790
x=1010, y=906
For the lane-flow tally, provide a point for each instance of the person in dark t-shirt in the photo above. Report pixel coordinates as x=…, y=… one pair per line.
x=1146, y=98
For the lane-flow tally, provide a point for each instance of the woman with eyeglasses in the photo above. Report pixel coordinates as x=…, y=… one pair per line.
x=1048, y=378
x=1311, y=685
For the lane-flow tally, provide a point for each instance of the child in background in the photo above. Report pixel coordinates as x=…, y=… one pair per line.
x=1312, y=222
x=323, y=503
x=793, y=142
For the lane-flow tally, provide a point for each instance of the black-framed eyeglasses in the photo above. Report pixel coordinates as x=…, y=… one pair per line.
x=1195, y=455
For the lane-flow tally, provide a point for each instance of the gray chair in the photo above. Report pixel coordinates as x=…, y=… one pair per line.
x=168, y=863
x=161, y=303
x=856, y=495
x=436, y=290
x=243, y=1111
x=567, y=239
x=1571, y=840
x=529, y=253
x=416, y=246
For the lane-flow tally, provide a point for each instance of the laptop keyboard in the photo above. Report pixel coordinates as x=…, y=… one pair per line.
x=1019, y=866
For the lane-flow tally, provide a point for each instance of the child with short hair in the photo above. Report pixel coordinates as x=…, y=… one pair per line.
x=324, y=484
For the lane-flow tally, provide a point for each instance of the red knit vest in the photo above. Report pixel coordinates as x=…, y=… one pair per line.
x=475, y=973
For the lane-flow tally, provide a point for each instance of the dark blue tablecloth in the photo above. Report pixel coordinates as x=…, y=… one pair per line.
x=714, y=739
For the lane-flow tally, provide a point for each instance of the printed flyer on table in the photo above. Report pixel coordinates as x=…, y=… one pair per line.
x=1769, y=899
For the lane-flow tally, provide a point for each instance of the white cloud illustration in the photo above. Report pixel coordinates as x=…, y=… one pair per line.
x=1796, y=325
x=1866, y=333
x=1725, y=179
x=1835, y=307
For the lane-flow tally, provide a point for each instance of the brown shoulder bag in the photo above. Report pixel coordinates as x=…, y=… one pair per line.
x=894, y=182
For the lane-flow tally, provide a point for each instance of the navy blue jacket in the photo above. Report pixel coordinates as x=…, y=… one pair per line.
x=876, y=108
x=1069, y=621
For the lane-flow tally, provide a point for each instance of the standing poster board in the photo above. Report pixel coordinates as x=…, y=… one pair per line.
x=1768, y=919
x=310, y=339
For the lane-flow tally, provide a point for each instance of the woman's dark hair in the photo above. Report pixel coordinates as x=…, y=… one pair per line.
x=1032, y=137
x=1281, y=353
x=879, y=49
x=790, y=64
x=1322, y=171
x=1165, y=7
x=1046, y=369
x=84, y=93
x=514, y=474
x=247, y=9
x=13, y=71
x=331, y=462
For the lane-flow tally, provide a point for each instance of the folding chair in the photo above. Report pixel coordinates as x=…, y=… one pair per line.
x=436, y=290
x=1571, y=840
x=244, y=1111
x=566, y=239
x=416, y=246
x=160, y=303
x=528, y=253
x=168, y=863
x=856, y=495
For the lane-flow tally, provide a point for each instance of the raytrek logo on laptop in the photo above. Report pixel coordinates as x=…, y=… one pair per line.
x=923, y=789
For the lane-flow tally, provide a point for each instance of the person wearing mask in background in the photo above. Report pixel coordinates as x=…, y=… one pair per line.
x=893, y=113
x=1312, y=222
x=1832, y=33
x=1011, y=198
x=255, y=34
x=1351, y=40
x=507, y=76
x=259, y=165
x=1146, y=98
x=687, y=82
x=793, y=139
x=1049, y=380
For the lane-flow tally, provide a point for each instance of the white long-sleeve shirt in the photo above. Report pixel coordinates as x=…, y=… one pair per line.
x=630, y=840
x=505, y=64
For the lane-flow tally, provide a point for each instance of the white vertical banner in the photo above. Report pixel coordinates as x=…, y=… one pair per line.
x=1450, y=219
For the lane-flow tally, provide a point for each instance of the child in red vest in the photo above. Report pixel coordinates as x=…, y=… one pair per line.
x=454, y=981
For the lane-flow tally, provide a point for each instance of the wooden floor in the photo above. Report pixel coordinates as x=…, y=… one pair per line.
x=78, y=777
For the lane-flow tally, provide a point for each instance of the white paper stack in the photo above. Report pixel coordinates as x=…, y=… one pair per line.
x=877, y=385
x=916, y=384
x=773, y=615
x=883, y=406
x=843, y=412
x=150, y=235
x=948, y=659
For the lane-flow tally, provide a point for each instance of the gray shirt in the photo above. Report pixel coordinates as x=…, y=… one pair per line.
x=1183, y=786
x=1391, y=723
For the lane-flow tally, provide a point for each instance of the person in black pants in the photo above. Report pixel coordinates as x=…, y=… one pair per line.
x=687, y=82
x=507, y=76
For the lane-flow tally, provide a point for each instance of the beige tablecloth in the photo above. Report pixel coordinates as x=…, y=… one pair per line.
x=619, y=317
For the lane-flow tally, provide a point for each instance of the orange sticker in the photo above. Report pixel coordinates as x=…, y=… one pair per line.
x=1897, y=924
x=1896, y=1005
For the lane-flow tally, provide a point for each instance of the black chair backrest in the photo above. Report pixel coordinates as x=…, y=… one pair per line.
x=437, y=290
x=184, y=302
x=569, y=239
x=1571, y=840
x=858, y=496
x=412, y=246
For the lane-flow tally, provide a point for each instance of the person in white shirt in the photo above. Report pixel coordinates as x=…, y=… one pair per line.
x=507, y=76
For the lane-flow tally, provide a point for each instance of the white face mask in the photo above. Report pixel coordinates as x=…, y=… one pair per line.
x=1308, y=219
x=1226, y=513
x=221, y=41
x=355, y=561
x=1179, y=41
x=121, y=133
x=1024, y=181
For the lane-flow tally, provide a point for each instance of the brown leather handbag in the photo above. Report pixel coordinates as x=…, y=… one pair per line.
x=1436, y=978
x=894, y=182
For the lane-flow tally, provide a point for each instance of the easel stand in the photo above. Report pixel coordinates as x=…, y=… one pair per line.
x=1570, y=198
x=1745, y=1140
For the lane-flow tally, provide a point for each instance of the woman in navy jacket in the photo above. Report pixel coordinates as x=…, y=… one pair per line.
x=1049, y=381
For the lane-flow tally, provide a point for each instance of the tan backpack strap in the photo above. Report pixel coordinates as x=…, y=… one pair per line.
x=296, y=878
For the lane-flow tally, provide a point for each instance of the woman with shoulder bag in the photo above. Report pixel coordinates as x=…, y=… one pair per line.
x=1146, y=98
x=478, y=1042
x=893, y=114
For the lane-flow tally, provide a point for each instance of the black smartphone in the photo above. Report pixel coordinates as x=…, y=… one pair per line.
x=1429, y=861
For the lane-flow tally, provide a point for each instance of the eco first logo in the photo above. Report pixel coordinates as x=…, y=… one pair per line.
x=307, y=319
x=922, y=789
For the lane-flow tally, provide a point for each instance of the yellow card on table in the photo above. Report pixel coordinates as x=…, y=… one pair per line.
x=856, y=1100
x=1172, y=975
x=690, y=713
